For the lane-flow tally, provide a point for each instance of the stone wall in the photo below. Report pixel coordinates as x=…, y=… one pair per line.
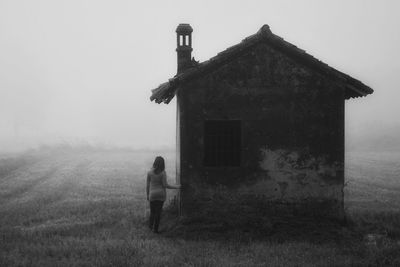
x=292, y=135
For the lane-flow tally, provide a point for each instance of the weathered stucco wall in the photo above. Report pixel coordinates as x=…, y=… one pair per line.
x=292, y=135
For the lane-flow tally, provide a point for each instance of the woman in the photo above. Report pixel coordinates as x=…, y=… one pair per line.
x=156, y=193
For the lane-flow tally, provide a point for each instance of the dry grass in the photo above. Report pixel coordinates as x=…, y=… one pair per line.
x=86, y=208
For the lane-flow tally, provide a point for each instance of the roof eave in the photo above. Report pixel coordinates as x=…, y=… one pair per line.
x=359, y=91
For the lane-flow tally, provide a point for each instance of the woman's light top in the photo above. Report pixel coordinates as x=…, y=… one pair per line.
x=158, y=183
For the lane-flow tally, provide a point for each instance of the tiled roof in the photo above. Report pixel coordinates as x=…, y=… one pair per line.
x=166, y=91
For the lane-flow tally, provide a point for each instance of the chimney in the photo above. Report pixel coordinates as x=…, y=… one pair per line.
x=184, y=46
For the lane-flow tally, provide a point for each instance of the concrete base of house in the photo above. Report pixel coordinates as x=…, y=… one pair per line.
x=252, y=210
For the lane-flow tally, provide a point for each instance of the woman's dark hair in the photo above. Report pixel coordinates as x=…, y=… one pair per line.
x=158, y=165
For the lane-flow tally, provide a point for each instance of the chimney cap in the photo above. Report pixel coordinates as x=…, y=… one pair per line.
x=184, y=28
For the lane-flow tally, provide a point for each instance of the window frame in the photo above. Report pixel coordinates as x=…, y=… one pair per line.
x=237, y=160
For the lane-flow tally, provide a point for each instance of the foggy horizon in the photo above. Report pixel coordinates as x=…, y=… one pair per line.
x=81, y=72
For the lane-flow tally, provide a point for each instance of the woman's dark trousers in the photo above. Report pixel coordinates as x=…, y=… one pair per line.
x=155, y=214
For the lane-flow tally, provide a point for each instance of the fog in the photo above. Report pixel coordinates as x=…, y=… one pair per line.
x=81, y=72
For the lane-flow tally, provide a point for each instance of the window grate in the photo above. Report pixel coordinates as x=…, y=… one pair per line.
x=222, y=143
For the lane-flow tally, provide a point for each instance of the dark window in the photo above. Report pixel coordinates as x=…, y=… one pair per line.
x=222, y=143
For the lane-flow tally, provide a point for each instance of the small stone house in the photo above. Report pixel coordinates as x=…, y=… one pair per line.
x=260, y=124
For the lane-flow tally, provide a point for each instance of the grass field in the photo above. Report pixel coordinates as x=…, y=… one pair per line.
x=86, y=207
x=373, y=181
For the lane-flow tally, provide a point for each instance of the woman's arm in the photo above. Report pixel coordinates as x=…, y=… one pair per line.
x=166, y=185
x=148, y=186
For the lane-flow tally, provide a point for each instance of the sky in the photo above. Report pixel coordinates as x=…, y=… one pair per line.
x=82, y=71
